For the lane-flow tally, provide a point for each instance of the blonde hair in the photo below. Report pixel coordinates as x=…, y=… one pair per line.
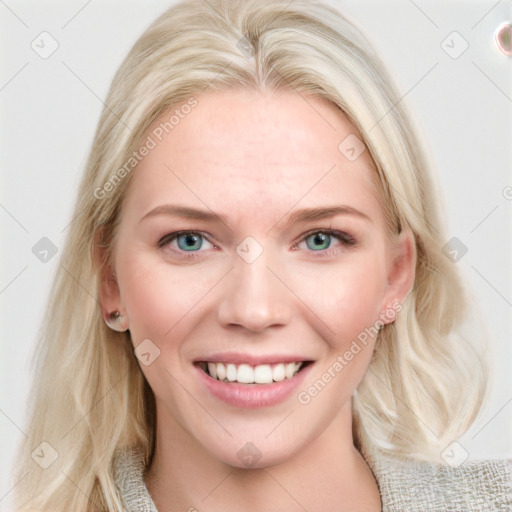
x=425, y=383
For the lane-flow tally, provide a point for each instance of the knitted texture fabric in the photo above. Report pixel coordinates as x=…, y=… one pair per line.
x=404, y=486
x=128, y=466
x=415, y=486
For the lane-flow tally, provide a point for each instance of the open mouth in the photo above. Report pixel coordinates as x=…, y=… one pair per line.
x=252, y=374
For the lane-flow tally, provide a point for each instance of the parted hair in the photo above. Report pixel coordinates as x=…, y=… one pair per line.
x=426, y=380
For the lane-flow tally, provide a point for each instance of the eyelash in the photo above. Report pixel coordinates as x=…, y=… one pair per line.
x=343, y=237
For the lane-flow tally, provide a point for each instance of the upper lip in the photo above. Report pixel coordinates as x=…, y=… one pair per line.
x=253, y=360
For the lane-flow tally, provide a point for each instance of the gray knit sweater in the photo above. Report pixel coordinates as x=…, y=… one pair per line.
x=404, y=486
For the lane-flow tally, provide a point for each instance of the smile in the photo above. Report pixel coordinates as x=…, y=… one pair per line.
x=248, y=383
x=249, y=374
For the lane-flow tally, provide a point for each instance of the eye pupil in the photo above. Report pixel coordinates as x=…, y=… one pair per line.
x=318, y=241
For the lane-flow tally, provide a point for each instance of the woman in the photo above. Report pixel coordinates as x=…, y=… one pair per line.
x=253, y=295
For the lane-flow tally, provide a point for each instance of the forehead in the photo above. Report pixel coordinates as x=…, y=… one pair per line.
x=243, y=151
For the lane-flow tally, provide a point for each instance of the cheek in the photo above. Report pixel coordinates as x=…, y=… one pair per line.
x=346, y=302
x=347, y=298
x=157, y=296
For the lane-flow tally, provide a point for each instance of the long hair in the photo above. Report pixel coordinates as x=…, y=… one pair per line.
x=425, y=382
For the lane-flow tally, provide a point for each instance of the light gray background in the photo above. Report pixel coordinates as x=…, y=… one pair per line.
x=50, y=107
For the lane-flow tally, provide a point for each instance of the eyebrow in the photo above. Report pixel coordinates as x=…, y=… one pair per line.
x=302, y=215
x=309, y=214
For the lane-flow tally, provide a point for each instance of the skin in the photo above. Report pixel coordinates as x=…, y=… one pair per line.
x=256, y=158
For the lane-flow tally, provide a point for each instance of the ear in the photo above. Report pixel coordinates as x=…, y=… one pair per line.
x=108, y=288
x=401, y=274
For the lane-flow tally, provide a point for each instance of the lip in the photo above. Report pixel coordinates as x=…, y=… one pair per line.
x=253, y=396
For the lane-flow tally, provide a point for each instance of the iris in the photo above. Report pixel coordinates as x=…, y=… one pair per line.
x=318, y=242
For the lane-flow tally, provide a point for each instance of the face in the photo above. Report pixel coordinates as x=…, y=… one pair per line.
x=251, y=258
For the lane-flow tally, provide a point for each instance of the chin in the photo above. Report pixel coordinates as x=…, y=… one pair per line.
x=255, y=451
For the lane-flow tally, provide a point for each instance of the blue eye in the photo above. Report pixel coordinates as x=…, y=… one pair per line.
x=321, y=240
x=186, y=241
x=318, y=241
x=189, y=242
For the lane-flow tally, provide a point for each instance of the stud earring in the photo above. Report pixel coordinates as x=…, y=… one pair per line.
x=114, y=321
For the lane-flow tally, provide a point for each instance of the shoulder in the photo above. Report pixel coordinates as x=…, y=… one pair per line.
x=418, y=486
x=128, y=471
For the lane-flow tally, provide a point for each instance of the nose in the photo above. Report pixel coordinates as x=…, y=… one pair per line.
x=254, y=297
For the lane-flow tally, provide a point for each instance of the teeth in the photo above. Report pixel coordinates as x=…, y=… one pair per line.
x=247, y=374
x=231, y=372
x=278, y=372
x=263, y=374
x=221, y=371
x=289, y=370
x=212, y=370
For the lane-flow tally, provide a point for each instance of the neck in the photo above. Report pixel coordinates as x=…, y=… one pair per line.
x=328, y=474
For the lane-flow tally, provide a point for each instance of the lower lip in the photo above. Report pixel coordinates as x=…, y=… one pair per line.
x=252, y=396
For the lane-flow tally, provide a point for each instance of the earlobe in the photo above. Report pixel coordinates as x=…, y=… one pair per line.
x=108, y=289
x=116, y=321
